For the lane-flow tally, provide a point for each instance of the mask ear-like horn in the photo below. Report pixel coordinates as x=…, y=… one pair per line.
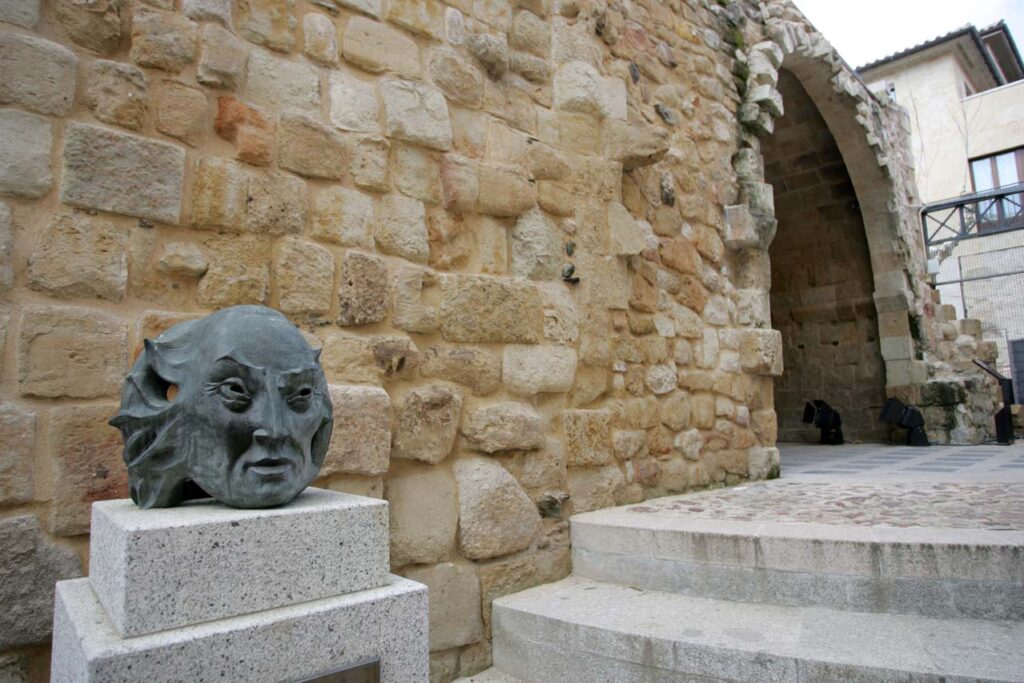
x=316, y=354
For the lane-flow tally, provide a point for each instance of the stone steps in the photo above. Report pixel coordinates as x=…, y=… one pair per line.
x=579, y=631
x=942, y=573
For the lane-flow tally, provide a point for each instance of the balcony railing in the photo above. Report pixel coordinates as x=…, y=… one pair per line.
x=974, y=215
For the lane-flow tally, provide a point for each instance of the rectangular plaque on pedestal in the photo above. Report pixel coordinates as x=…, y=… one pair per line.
x=160, y=569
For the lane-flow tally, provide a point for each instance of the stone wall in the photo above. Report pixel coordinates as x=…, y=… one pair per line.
x=821, y=279
x=530, y=237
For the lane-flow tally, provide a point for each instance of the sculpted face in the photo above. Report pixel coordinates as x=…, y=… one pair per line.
x=249, y=424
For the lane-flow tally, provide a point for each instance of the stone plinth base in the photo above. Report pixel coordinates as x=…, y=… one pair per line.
x=206, y=592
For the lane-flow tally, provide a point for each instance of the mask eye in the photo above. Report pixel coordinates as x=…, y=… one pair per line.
x=300, y=399
x=234, y=393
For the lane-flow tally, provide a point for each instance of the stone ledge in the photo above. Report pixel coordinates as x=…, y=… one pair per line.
x=159, y=569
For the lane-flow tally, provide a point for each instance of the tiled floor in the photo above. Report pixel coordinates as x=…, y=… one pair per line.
x=881, y=463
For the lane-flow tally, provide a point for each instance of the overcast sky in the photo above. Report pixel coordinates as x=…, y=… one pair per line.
x=866, y=30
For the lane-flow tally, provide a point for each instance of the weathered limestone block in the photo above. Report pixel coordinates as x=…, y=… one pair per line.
x=473, y=367
x=531, y=34
x=282, y=84
x=363, y=290
x=354, y=104
x=496, y=517
x=476, y=308
x=370, y=164
x=208, y=10
x=401, y=228
x=416, y=113
x=182, y=112
x=310, y=148
x=626, y=236
x=238, y=273
x=24, y=13
x=70, y=352
x=593, y=489
x=459, y=183
x=426, y=423
x=319, y=39
x=767, y=98
x=423, y=17
x=424, y=515
x=761, y=352
x=491, y=50
x=161, y=40
x=504, y=427
x=628, y=443
x=740, y=228
x=181, y=259
x=87, y=465
x=18, y=433
x=268, y=22
x=454, y=603
x=303, y=276
x=505, y=190
x=588, y=439
x=112, y=171
x=361, y=441
x=690, y=443
x=396, y=356
x=80, y=256
x=661, y=379
x=277, y=204
x=634, y=144
x=219, y=195
x=546, y=162
x=675, y=411
x=117, y=93
x=377, y=47
x=247, y=128
x=97, y=27
x=30, y=566
x=456, y=76
x=561, y=320
x=763, y=463
x=537, y=251
x=531, y=68
x=343, y=216
x=25, y=154
x=531, y=369
x=222, y=60
x=416, y=173
x=348, y=358
x=578, y=87
x=680, y=254
x=38, y=75
x=409, y=313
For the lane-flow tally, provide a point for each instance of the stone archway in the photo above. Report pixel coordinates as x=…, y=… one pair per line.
x=821, y=274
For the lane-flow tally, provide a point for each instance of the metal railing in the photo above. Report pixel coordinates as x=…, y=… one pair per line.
x=973, y=215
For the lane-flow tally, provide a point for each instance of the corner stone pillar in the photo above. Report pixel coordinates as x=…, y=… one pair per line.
x=208, y=592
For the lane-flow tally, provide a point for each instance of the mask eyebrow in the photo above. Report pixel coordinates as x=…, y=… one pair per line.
x=239, y=362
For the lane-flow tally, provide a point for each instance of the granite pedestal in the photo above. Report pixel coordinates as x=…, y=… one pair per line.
x=205, y=592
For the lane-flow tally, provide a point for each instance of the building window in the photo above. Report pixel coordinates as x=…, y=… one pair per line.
x=999, y=171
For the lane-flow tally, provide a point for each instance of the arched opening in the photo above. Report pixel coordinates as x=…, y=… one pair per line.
x=822, y=295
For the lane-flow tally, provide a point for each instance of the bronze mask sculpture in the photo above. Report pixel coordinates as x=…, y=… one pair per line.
x=233, y=406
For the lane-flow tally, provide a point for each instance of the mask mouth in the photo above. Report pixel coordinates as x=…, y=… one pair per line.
x=270, y=466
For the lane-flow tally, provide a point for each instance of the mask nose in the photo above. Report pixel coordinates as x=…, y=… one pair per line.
x=272, y=428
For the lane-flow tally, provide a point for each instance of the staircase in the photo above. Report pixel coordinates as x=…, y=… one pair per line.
x=658, y=598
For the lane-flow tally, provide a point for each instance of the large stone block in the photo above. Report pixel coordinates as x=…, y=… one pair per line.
x=456, y=75
x=6, y=258
x=304, y=277
x=424, y=515
x=416, y=173
x=588, y=437
x=496, y=517
x=208, y=10
x=343, y=216
x=162, y=40
x=319, y=38
x=504, y=427
x=409, y=312
x=80, y=256
x=578, y=87
x=247, y=128
x=88, y=465
x=276, y=204
x=310, y=148
x=363, y=290
x=291, y=643
x=223, y=58
x=30, y=566
x=504, y=190
x=238, y=272
x=531, y=369
x=361, y=441
x=268, y=22
x=454, y=603
x=537, y=250
x=112, y=171
x=162, y=569
x=423, y=17
x=477, y=368
x=219, y=195
x=117, y=93
x=354, y=104
x=401, y=228
x=477, y=308
x=377, y=47
x=593, y=489
x=283, y=84
x=38, y=75
x=25, y=154
x=18, y=434
x=24, y=13
x=426, y=423
x=97, y=27
x=70, y=353
x=761, y=352
x=182, y=112
x=416, y=113
x=370, y=164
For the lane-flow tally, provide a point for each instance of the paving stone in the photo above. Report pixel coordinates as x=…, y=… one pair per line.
x=416, y=113
x=38, y=75
x=31, y=566
x=377, y=47
x=426, y=423
x=80, y=256
x=117, y=93
x=496, y=517
x=424, y=515
x=504, y=427
x=361, y=440
x=25, y=154
x=267, y=22
x=362, y=290
x=303, y=277
x=112, y=171
x=161, y=40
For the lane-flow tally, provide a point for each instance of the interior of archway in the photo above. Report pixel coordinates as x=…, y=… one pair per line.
x=822, y=285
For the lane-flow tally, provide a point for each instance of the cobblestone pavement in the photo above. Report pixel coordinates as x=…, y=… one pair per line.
x=910, y=504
